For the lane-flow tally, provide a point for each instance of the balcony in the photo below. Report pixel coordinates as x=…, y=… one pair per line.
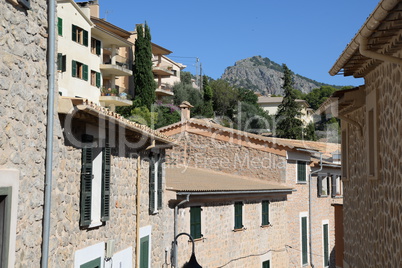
x=120, y=66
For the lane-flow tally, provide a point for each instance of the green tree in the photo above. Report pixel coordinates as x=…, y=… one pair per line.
x=309, y=132
x=207, y=108
x=144, y=83
x=224, y=98
x=185, y=78
x=287, y=123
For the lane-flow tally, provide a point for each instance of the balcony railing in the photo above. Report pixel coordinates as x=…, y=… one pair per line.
x=120, y=61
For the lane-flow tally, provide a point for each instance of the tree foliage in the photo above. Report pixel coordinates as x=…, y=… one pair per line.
x=144, y=83
x=207, y=108
x=287, y=123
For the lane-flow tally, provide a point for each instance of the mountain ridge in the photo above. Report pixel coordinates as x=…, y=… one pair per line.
x=264, y=76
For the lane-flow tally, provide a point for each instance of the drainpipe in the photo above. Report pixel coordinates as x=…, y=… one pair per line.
x=49, y=132
x=310, y=205
x=176, y=210
x=137, y=219
x=374, y=55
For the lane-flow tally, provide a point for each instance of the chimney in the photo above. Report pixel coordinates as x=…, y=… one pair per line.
x=185, y=110
x=94, y=8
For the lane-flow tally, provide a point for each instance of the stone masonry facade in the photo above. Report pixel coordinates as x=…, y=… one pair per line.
x=372, y=208
x=23, y=99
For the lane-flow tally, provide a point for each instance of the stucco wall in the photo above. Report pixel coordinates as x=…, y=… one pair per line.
x=372, y=215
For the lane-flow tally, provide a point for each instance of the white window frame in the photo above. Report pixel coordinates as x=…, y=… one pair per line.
x=329, y=243
x=337, y=180
x=10, y=178
x=302, y=215
x=90, y=253
x=147, y=231
x=372, y=136
x=324, y=179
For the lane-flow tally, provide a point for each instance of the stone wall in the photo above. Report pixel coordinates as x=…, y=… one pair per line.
x=206, y=152
x=372, y=215
x=222, y=247
x=23, y=107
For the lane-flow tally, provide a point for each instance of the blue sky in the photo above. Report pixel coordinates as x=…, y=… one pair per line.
x=308, y=35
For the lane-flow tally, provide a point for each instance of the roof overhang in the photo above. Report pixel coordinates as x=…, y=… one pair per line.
x=379, y=36
x=108, y=38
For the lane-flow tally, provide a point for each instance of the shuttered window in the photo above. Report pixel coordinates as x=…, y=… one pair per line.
x=79, y=70
x=95, y=46
x=195, y=222
x=144, y=252
x=265, y=213
x=79, y=35
x=238, y=217
x=326, y=246
x=98, y=79
x=5, y=218
x=96, y=263
x=155, y=183
x=304, y=240
x=301, y=171
x=61, y=62
x=266, y=264
x=87, y=209
x=60, y=26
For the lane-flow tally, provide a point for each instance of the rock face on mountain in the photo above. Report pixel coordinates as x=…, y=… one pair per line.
x=264, y=76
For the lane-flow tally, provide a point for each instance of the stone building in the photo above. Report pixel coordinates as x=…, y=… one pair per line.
x=23, y=109
x=211, y=147
x=371, y=140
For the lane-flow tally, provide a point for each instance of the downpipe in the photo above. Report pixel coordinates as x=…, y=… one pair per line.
x=176, y=209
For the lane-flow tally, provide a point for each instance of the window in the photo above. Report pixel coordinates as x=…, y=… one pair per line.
x=266, y=264
x=304, y=240
x=5, y=218
x=95, y=79
x=344, y=152
x=60, y=26
x=144, y=252
x=336, y=186
x=25, y=3
x=265, y=213
x=79, y=35
x=238, y=216
x=95, y=184
x=95, y=46
x=96, y=263
x=323, y=186
x=61, y=62
x=155, y=183
x=372, y=138
x=195, y=222
x=301, y=171
x=79, y=70
x=326, y=245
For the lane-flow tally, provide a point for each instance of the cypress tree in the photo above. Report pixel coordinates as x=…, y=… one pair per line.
x=288, y=125
x=144, y=83
x=208, y=110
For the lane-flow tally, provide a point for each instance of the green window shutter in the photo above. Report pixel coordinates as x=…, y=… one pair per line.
x=152, y=184
x=74, y=33
x=96, y=263
x=326, y=248
x=266, y=264
x=304, y=239
x=63, y=63
x=85, y=72
x=160, y=180
x=195, y=222
x=59, y=62
x=60, y=26
x=105, y=209
x=319, y=185
x=86, y=183
x=85, y=41
x=98, y=47
x=265, y=212
x=301, y=171
x=144, y=252
x=74, y=68
x=98, y=79
x=238, y=215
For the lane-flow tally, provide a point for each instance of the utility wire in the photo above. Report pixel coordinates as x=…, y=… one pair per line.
x=253, y=255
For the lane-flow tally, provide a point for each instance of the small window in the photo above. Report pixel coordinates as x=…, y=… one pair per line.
x=25, y=3
x=95, y=46
x=79, y=70
x=96, y=263
x=304, y=240
x=301, y=171
x=5, y=218
x=265, y=213
x=95, y=79
x=344, y=154
x=79, y=35
x=323, y=186
x=60, y=26
x=266, y=264
x=326, y=244
x=238, y=216
x=61, y=62
x=195, y=222
x=337, y=186
x=155, y=183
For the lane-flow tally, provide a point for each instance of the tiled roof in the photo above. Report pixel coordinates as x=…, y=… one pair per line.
x=289, y=143
x=202, y=180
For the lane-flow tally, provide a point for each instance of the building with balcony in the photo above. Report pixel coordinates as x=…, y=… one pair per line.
x=88, y=56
